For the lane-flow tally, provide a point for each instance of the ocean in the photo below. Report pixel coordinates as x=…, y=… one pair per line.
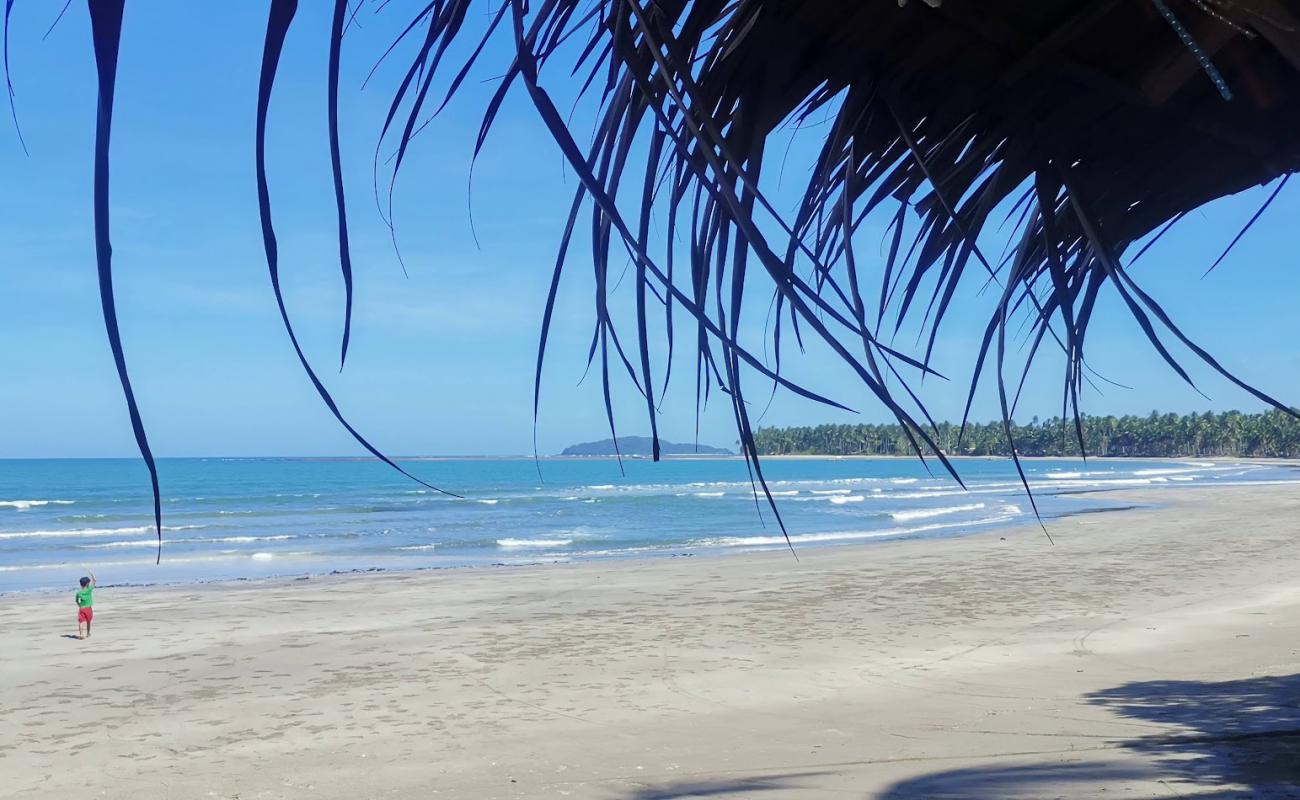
x=239, y=518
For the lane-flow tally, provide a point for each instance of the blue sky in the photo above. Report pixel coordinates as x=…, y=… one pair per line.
x=442, y=360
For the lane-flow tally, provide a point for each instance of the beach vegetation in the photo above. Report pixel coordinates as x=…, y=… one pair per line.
x=1270, y=434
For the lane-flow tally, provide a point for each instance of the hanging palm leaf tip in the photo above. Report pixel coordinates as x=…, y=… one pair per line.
x=106, y=25
x=280, y=18
x=1092, y=120
x=106, y=30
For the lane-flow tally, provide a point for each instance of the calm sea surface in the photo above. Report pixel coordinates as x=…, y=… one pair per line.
x=244, y=518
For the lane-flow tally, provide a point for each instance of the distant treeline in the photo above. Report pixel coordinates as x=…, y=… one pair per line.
x=1232, y=433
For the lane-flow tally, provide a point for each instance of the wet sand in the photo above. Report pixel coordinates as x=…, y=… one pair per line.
x=1148, y=653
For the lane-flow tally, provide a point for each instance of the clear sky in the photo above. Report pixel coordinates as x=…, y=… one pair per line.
x=442, y=360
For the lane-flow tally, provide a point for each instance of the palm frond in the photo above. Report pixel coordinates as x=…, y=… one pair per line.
x=1090, y=121
x=946, y=113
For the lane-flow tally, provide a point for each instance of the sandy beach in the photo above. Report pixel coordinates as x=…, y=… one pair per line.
x=1149, y=653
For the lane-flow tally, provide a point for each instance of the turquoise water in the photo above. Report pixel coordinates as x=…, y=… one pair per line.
x=243, y=518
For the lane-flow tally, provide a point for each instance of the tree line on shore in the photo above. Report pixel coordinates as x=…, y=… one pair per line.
x=1231, y=433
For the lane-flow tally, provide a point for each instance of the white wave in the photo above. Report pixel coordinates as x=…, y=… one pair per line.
x=91, y=532
x=1057, y=476
x=991, y=485
x=904, y=480
x=417, y=547
x=603, y=487
x=789, y=493
x=806, y=538
x=840, y=536
x=832, y=491
x=534, y=542
x=617, y=551
x=1090, y=484
x=23, y=505
x=262, y=556
x=709, y=494
x=171, y=560
x=128, y=543
x=840, y=500
x=777, y=486
x=154, y=542
x=973, y=489
x=926, y=513
x=488, y=502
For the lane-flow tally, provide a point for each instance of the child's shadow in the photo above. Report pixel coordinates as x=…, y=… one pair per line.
x=70, y=636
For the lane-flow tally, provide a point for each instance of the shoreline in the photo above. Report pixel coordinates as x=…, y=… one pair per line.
x=1146, y=500
x=472, y=540
x=1146, y=653
x=667, y=553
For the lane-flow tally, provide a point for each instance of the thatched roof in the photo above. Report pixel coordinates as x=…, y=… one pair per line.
x=1097, y=121
x=1104, y=90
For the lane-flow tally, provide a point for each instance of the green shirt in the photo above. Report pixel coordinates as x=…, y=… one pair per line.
x=84, y=598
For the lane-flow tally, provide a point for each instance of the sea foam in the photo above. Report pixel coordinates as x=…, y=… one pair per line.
x=926, y=513
x=23, y=505
x=842, y=536
x=91, y=532
x=534, y=542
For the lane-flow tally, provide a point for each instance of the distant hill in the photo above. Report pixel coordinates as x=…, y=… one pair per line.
x=641, y=446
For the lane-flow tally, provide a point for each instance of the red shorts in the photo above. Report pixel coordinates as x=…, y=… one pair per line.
x=84, y=614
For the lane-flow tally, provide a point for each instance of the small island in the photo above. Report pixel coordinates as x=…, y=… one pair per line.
x=642, y=446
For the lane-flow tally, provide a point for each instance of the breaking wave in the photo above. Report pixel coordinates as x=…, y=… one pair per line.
x=23, y=505
x=534, y=542
x=926, y=513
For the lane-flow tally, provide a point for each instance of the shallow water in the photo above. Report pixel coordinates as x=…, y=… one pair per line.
x=243, y=518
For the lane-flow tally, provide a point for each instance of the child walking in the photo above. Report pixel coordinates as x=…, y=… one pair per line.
x=85, y=603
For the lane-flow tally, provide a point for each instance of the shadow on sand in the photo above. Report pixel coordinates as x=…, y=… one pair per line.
x=1234, y=739
x=736, y=787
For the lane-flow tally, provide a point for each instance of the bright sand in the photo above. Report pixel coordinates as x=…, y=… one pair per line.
x=1148, y=653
